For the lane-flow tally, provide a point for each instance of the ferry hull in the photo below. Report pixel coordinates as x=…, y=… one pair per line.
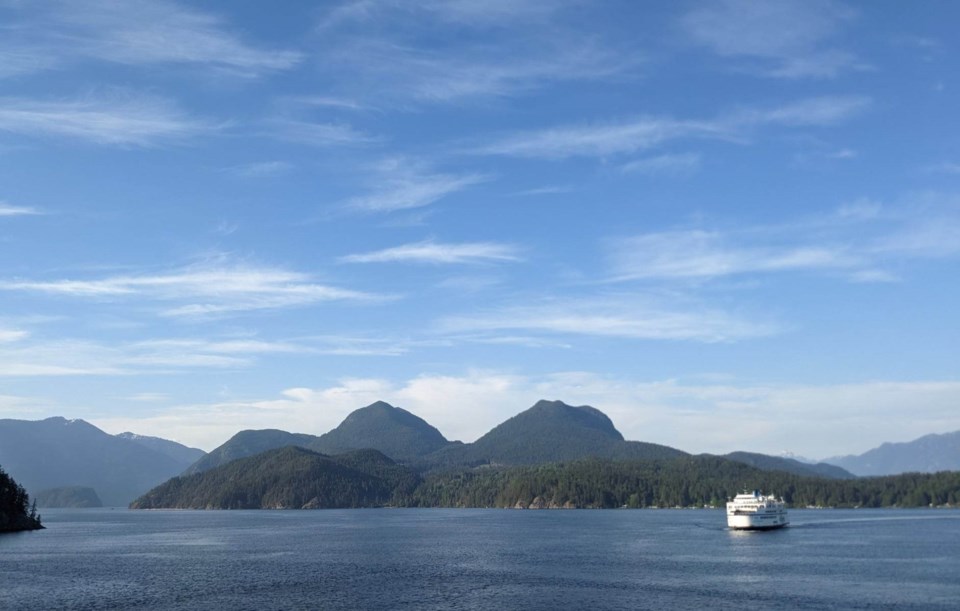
x=756, y=522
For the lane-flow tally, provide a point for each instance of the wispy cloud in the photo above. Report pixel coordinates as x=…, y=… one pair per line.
x=615, y=317
x=945, y=167
x=9, y=210
x=202, y=290
x=630, y=136
x=319, y=134
x=121, y=119
x=783, y=38
x=680, y=164
x=857, y=242
x=433, y=252
x=404, y=49
x=12, y=335
x=403, y=185
x=702, y=254
x=260, y=169
x=135, y=32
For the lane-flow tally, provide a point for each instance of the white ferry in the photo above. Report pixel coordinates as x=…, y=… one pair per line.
x=753, y=511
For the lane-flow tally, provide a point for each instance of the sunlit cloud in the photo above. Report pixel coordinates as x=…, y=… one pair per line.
x=433, y=252
x=688, y=415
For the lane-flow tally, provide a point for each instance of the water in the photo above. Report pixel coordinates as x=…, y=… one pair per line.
x=480, y=559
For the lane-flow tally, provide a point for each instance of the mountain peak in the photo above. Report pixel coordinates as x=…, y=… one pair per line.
x=392, y=430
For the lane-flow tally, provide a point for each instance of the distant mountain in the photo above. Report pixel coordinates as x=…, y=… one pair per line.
x=56, y=452
x=174, y=450
x=69, y=496
x=249, y=443
x=287, y=478
x=928, y=454
x=789, y=465
x=550, y=431
x=394, y=431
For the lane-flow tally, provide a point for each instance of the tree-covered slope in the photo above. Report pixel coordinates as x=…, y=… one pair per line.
x=249, y=443
x=550, y=431
x=692, y=481
x=287, y=478
x=381, y=426
x=68, y=496
x=16, y=514
x=777, y=463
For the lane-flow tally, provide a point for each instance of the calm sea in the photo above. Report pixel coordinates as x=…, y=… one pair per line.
x=480, y=559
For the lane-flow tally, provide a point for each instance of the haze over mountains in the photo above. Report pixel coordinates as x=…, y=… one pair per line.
x=73, y=462
x=928, y=454
x=57, y=453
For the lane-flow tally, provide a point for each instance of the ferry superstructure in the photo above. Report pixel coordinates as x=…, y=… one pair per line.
x=754, y=511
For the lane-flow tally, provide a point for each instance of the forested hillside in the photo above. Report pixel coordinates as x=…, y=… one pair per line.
x=15, y=510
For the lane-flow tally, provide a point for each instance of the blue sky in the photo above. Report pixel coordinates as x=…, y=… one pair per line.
x=728, y=225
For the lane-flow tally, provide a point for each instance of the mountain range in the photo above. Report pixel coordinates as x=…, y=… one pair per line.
x=56, y=453
x=547, y=432
x=928, y=454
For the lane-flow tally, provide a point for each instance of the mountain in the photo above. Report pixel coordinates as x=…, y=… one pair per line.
x=14, y=512
x=287, y=478
x=68, y=496
x=928, y=454
x=394, y=431
x=249, y=443
x=57, y=452
x=550, y=431
x=789, y=465
x=174, y=450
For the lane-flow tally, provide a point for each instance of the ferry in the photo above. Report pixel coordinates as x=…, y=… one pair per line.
x=753, y=511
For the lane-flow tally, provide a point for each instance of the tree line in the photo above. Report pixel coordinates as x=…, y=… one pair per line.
x=16, y=511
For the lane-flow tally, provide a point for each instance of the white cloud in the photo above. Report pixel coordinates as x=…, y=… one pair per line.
x=135, y=32
x=202, y=289
x=694, y=417
x=785, y=38
x=9, y=210
x=69, y=357
x=701, y=254
x=617, y=138
x=12, y=335
x=433, y=252
x=118, y=119
x=614, y=317
x=403, y=185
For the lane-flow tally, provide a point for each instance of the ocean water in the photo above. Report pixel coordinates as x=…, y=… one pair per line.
x=480, y=559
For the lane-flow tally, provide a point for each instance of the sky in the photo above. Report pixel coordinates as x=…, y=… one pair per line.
x=728, y=225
